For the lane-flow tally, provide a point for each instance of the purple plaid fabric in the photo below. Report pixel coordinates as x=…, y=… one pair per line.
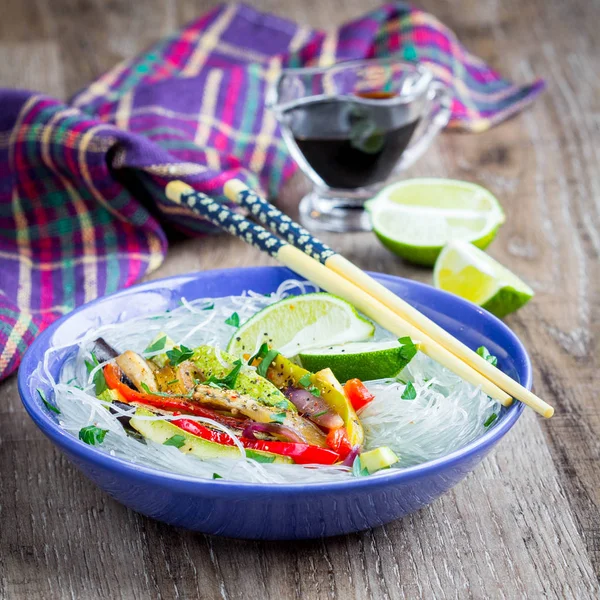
x=82, y=207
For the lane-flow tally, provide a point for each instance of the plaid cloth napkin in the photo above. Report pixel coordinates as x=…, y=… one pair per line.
x=81, y=184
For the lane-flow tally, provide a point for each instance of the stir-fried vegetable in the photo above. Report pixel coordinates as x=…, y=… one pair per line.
x=301, y=453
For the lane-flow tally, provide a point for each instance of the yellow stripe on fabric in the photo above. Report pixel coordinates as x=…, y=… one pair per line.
x=17, y=333
x=299, y=38
x=83, y=148
x=101, y=86
x=242, y=53
x=156, y=253
x=208, y=41
x=124, y=110
x=268, y=126
x=22, y=233
x=328, y=49
x=207, y=111
x=79, y=260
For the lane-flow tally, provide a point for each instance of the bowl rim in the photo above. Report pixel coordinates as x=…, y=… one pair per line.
x=177, y=482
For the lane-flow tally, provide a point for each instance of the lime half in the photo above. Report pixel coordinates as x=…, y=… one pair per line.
x=298, y=323
x=468, y=272
x=365, y=360
x=416, y=218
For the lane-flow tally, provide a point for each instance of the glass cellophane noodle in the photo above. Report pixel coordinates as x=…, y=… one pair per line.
x=446, y=414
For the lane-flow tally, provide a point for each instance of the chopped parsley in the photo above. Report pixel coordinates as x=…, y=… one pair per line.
x=47, y=404
x=159, y=344
x=409, y=392
x=262, y=352
x=408, y=348
x=233, y=320
x=278, y=418
x=266, y=362
x=164, y=394
x=92, y=435
x=209, y=307
x=304, y=381
x=217, y=476
x=176, y=440
x=285, y=404
x=229, y=380
x=99, y=381
x=178, y=354
x=357, y=469
x=315, y=391
x=485, y=354
x=490, y=420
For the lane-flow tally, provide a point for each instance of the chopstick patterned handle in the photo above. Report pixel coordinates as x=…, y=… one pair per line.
x=225, y=218
x=277, y=221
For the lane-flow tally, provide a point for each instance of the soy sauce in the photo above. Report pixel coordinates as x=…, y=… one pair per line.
x=351, y=144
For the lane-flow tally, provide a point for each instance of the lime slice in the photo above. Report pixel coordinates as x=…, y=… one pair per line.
x=365, y=360
x=468, y=272
x=416, y=218
x=298, y=323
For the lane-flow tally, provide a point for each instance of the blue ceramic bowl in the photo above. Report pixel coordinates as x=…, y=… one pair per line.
x=245, y=510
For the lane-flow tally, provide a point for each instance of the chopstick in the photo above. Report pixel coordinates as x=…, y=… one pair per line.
x=238, y=192
x=290, y=256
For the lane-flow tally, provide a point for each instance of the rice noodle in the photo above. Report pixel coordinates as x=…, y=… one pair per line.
x=446, y=414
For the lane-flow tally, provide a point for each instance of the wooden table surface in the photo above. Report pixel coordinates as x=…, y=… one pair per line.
x=526, y=523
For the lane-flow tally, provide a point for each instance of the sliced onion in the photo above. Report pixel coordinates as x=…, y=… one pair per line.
x=314, y=407
x=349, y=460
x=275, y=429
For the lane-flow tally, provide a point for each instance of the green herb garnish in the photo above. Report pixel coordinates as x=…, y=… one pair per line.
x=357, y=469
x=262, y=352
x=278, y=418
x=304, y=381
x=46, y=403
x=485, y=354
x=490, y=420
x=92, y=435
x=229, y=380
x=233, y=320
x=178, y=354
x=315, y=391
x=164, y=394
x=217, y=476
x=320, y=414
x=209, y=307
x=176, y=440
x=408, y=348
x=159, y=344
x=173, y=382
x=99, y=381
x=409, y=392
x=266, y=362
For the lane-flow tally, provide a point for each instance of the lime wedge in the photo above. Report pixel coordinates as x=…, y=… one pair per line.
x=416, y=218
x=298, y=323
x=365, y=360
x=468, y=272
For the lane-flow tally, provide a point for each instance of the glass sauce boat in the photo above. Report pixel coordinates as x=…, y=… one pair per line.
x=352, y=126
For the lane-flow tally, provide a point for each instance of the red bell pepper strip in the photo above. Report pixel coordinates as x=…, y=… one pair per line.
x=112, y=375
x=338, y=441
x=303, y=454
x=358, y=394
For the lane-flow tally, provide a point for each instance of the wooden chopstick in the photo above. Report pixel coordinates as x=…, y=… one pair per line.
x=313, y=270
x=238, y=192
